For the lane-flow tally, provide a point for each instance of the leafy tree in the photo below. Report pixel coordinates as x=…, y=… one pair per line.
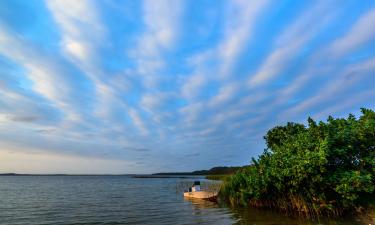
x=325, y=167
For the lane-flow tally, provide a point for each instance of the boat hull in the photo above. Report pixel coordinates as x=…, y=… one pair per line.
x=200, y=195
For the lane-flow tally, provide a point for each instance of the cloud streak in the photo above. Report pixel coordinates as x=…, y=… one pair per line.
x=139, y=86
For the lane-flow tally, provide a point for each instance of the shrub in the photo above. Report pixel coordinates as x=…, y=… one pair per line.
x=325, y=167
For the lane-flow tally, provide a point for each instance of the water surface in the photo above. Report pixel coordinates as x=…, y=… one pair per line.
x=120, y=200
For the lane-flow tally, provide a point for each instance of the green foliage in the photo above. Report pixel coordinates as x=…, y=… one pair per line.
x=220, y=170
x=325, y=167
x=222, y=177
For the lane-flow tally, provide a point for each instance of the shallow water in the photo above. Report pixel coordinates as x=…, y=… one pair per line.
x=120, y=200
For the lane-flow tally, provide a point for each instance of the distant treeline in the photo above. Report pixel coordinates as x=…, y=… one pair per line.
x=322, y=168
x=220, y=170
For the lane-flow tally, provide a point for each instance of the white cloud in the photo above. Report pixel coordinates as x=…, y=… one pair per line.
x=290, y=43
x=81, y=29
x=138, y=121
x=190, y=113
x=361, y=32
x=82, y=39
x=46, y=74
x=334, y=91
x=226, y=93
x=78, y=50
x=82, y=32
x=241, y=17
x=162, y=23
x=193, y=85
x=161, y=19
x=241, y=20
x=356, y=101
x=157, y=101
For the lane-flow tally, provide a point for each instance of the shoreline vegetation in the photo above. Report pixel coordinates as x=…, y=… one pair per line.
x=212, y=174
x=322, y=169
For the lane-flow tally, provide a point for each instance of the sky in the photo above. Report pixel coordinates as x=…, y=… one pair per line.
x=105, y=86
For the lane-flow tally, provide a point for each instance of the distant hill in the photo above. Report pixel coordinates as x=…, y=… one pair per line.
x=220, y=170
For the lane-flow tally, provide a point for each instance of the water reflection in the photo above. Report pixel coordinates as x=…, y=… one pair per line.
x=271, y=217
x=202, y=204
x=254, y=216
x=212, y=212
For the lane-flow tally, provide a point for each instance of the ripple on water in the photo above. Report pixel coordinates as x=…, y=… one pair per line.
x=62, y=200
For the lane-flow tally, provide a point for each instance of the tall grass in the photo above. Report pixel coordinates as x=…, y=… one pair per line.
x=289, y=203
x=217, y=177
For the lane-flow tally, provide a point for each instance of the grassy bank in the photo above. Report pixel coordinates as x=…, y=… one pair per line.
x=325, y=168
x=222, y=177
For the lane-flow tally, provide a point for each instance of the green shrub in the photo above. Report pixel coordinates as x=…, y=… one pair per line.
x=325, y=167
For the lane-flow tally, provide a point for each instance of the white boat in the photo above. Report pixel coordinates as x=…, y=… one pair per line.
x=196, y=192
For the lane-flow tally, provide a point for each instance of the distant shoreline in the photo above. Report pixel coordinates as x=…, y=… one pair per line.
x=26, y=174
x=171, y=175
x=213, y=171
x=168, y=176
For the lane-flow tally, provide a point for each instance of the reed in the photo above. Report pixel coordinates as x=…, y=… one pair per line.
x=221, y=177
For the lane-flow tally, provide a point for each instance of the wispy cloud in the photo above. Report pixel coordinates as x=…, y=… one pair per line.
x=161, y=19
x=333, y=93
x=43, y=70
x=238, y=31
x=289, y=44
x=137, y=149
x=83, y=38
x=140, y=86
x=360, y=33
x=240, y=25
x=80, y=33
x=225, y=94
x=138, y=121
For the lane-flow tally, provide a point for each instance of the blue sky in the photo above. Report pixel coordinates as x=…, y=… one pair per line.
x=148, y=86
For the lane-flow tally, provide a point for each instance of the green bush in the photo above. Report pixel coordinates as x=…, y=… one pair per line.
x=325, y=167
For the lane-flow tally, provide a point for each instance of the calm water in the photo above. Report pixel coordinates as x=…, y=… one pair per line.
x=119, y=200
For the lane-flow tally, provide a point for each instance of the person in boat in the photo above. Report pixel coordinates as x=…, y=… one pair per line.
x=196, y=187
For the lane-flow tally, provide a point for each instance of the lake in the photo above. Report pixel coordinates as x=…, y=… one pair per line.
x=121, y=200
